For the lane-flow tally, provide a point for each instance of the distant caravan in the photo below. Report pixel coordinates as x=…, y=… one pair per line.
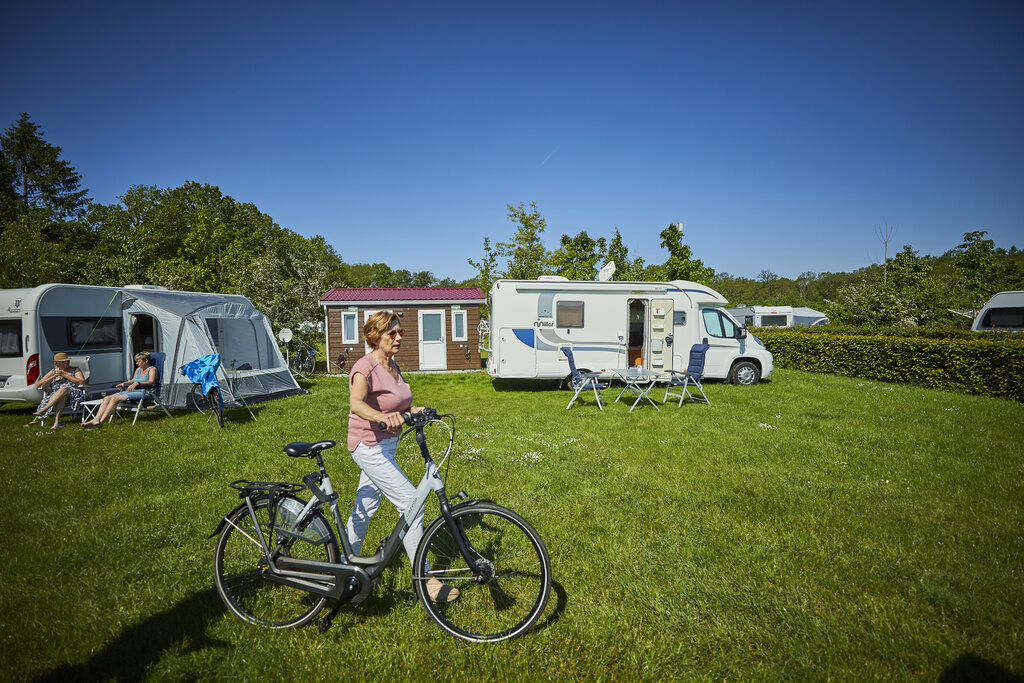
x=1004, y=311
x=614, y=325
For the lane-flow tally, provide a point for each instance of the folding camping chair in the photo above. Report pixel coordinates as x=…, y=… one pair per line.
x=150, y=395
x=82, y=363
x=580, y=381
x=692, y=376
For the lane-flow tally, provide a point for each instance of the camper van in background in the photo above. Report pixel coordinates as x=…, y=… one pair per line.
x=102, y=328
x=614, y=325
x=1004, y=311
x=778, y=316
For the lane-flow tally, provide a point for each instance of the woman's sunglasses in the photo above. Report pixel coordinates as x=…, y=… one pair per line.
x=395, y=332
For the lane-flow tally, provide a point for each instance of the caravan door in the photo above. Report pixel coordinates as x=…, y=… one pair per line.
x=660, y=335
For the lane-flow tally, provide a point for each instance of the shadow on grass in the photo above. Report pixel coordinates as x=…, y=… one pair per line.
x=128, y=656
x=502, y=385
x=973, y=669
x=561, y=600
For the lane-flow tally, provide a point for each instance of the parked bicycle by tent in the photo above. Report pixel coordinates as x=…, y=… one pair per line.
x=205, y=395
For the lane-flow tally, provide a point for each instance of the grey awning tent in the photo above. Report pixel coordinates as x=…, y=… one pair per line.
x=192, y=324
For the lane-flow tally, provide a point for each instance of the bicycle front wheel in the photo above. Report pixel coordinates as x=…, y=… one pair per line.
x=213, y=400
x=504, y=593
x=240, y=567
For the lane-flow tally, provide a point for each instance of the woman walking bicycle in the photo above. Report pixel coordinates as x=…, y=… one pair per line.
x=378, y=396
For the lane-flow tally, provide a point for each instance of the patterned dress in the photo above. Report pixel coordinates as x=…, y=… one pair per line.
x=75, y=393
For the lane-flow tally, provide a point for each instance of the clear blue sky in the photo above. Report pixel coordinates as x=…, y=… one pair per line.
x=780, y=133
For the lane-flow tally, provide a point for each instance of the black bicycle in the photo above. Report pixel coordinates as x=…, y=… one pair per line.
x=277, y=560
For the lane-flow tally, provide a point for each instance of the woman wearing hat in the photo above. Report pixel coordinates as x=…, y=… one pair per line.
x=62, y=385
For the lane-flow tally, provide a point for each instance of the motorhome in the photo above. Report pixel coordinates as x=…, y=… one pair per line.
x=102, y=328
x=614, y=325
x=778, y=316
x=1004, y=311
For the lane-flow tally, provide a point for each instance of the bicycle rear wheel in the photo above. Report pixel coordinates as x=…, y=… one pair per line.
x=509, y=595
x=308, y=365
x=199, y=399
x=239, y=565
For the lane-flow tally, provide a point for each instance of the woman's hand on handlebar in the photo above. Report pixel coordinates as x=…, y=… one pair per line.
x=391, y=421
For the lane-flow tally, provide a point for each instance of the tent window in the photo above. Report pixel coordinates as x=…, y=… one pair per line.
x=237, y=343
x=92, y=332
x=349, y=327
x=10, y=338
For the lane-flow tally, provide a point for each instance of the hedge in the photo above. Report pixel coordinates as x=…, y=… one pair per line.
x=980, y=365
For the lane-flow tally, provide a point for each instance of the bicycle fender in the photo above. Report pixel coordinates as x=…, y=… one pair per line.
x=225, y=518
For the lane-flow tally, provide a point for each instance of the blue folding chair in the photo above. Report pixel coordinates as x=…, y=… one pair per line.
x=581, y=381
x=692, y=376
x=151, y=395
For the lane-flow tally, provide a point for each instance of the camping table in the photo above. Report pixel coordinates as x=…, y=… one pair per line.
x=640, y=382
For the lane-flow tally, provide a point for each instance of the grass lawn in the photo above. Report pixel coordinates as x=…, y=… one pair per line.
x=811, y=527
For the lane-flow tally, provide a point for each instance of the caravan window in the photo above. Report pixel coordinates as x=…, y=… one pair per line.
x=92, y=332
x=10, y=338
x=773, y=321
x=569, y=314
x=1003, y=317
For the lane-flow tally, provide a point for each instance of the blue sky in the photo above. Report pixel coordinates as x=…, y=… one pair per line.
x=781, y=134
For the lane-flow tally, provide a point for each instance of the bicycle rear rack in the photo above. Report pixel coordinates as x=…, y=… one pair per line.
x=247, y=488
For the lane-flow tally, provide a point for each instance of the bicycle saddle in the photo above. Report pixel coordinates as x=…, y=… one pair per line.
x=297, y=448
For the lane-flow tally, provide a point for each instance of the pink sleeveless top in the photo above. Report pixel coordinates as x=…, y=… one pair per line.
x=384, y=393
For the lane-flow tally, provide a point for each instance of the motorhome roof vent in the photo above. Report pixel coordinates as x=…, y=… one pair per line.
x=152, y=288
x=553, y=278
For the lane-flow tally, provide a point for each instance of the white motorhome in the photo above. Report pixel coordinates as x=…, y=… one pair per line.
x=778, y=316
x=102, y=328
x=614, y=325
x=1004, y=311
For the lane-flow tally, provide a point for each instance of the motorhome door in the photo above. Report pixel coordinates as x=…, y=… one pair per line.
x=660, y=336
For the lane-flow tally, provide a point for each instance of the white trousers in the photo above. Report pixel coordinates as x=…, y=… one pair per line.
x=381, y=474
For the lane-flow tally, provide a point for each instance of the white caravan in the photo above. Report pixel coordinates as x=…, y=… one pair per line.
x=102, y=328
x=1004, y=311
x=778, y=316
x=614, y=325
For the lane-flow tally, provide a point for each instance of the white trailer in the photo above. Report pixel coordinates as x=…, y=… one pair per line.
x=614, y=325
x=1004, y=311
x=778, y=316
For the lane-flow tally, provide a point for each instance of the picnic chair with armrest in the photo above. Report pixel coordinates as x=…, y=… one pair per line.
x=151, y=395
x=581, y=381
x=691, y=377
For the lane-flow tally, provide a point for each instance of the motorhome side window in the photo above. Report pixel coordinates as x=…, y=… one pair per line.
x=89, y=332
x=10, y=338
x=569, y=314
x=718, y=325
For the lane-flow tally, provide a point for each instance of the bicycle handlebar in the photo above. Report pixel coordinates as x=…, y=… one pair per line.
x=417, y=420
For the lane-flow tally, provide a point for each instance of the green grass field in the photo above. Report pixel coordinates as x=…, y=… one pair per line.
x=812, y=527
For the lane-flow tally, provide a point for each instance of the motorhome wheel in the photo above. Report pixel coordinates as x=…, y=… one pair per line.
x=745, y=373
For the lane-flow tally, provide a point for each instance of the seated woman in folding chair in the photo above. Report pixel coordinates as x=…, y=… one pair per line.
x=132, y=390
x=63, y=385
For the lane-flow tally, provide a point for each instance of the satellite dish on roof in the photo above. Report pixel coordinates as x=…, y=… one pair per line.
x=606, y=272
x=285, y=335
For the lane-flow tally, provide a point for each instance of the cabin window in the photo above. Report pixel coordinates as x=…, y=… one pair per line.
x=717, y=325
x=92, y=332
x=10, y=338
x=349, y=327
x=1003, y=317
x=569, y=314
x=459, y=326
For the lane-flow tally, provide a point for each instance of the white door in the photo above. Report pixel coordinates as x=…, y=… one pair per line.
x=660, y=335
x=433, y=349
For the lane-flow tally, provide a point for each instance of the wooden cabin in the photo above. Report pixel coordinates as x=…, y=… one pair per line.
x=440, y=325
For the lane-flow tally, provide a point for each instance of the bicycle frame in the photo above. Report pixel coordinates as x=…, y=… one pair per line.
x=350, y=580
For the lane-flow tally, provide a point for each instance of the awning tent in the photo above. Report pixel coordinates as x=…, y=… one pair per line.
x=191, y=324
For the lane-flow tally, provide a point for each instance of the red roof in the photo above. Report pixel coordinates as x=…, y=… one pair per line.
x=353, y=294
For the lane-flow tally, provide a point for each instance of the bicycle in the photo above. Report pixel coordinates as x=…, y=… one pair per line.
x=277, y=560
x=202, y=372
x=303, y=362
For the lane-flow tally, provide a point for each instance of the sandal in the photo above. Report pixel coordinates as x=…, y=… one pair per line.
x=439, y=592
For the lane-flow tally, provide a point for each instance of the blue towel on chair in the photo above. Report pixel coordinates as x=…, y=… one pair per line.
x=203, y=371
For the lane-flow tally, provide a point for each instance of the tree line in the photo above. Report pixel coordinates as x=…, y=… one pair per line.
x=196, y=238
